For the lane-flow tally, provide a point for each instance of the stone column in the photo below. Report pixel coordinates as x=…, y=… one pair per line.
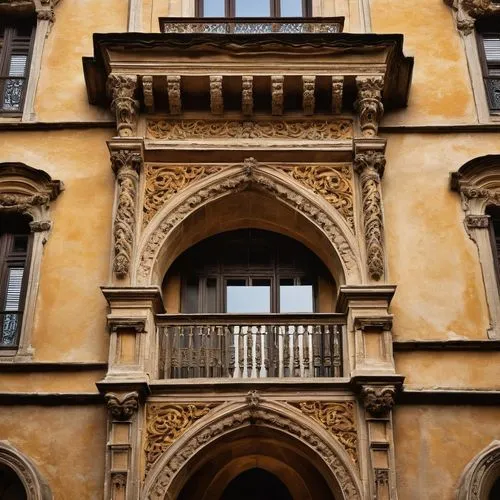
x=369, y=163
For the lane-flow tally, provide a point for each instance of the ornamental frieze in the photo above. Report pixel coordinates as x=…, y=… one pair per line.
x=167, y=422
x=331, y=182
x=338, y=418
x=164, y=181
x=309, y=130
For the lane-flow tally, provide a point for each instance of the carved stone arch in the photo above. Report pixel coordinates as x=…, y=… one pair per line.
x=35, y=486
x=147, y=269
x=231, y=417
x=478, y=183
x=480, y=474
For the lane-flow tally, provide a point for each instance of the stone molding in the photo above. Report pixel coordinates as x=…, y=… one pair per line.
x=126, y=162
x=378, y=400
x=369, y=103
x=35, y=486
x=480, y=474
x=255, y=411
x=236, y=179
x=122, y=407
x=370, y=164
x=122, y=90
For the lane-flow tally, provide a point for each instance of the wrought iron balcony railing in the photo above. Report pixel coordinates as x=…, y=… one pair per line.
x=251, y=25
x=251, y=346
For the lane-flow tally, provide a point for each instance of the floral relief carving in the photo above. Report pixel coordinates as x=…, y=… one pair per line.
x=122, y=89
x=324, y=130
x=338, y=419
x=369, y=103
x=122, y=407
x=166, y=422
x=332, y=182
x=261, y=414
x=126, y=165
x=378, y=400
x=163, y=181
x=370, y=166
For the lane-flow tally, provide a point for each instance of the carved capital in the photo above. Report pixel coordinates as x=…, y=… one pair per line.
x=46, y=14
x=122, y=89
x=381, y=477
x=40, y=226
x=122, y=407
x=378, y=400
x=477, y=221
x=119, y=480
x=369, y=103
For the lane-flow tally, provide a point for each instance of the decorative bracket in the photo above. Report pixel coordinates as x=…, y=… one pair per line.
x=378, y=400
x=277, y=84
x=174, y=94
x=337, y=93
x=122, y=407
x=369, y=103
x=308, y=98
x=122, y=89
x=216, y=95
x=247, y=95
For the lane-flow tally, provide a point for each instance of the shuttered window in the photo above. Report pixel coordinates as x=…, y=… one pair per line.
x=488, y=32
x=494, y=213
x=16, y=42
x=15, y=248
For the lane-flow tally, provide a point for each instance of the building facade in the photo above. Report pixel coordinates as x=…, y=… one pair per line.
x=250, y=249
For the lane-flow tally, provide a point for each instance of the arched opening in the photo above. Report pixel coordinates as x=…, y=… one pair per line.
x=256, y=484
x=11, y=487
x=495, y=490
x=249, y=271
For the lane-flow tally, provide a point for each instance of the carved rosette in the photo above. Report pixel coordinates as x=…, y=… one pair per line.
x=126, y=165
x=166, y=422
x=369, y=103
x=378, y=400
x=338, y=418
x=122, y=407
x=370, y=167
x=122, y=89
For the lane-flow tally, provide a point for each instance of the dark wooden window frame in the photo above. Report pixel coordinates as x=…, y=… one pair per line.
x=494, y=226
x=230, y=8
x=10, y=258
x=484, y=28
x=9, y=46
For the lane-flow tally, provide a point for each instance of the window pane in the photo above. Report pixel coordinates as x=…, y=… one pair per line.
x=492, y=48
x=17, y=65
x=297, y=298
x=291, y=8
x=253, y=8
x=213, y=8
x=248, y=299
x=13, y=293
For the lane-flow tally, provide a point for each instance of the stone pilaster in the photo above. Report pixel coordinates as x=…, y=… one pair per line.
x=122, y=90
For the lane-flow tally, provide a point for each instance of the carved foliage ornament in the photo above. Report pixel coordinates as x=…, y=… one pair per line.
x=378, y=400
x=370, y=166
x=122, y=89
x=122, y=407
x=126, y=165
x=369, y=103
x=182, y=130
x=338, y=419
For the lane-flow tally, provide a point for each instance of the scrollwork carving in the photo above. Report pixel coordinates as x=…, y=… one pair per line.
x=126, y=165
x=122, y=89
x=378, y=400
x=166, y=422
x=232, y=129
x=122, y=407
x=164, y=181
x=338, y=419
x=332, y=182
x=370, y=166
x=369, y=103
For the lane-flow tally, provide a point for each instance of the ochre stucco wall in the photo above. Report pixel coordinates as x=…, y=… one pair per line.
x=61, y=93
x=70, y=317
x=441, y=91
x=431, y=258
x=67, y=445
x=434, y=444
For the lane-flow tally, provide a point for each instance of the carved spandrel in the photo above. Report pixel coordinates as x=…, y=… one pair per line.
x=369, y=103
x=331, y=182
x=370, y=166
x=338, y=418
x=163, y=182
x=122, y=89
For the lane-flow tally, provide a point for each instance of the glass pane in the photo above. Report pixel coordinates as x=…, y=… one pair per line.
x=253, y=8
x=213, y=8
x=291, y=8
x=248, y=299
x=298, y=298
x=12, y=95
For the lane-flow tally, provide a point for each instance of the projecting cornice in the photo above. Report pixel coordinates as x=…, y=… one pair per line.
x=277, y=73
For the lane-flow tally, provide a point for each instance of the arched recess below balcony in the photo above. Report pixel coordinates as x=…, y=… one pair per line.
x=247, y=195
x=273, y=440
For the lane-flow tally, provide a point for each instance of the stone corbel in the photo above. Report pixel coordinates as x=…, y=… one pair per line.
x=122, y=407
x=308, y=94
x=216, y=95
x=277, y=96
x=247, y=95
x=122, y=90
x=369, y=103
x=337, y=93
x=126, y=161
x=369, y=163
x=378, y=400
x=174, y=94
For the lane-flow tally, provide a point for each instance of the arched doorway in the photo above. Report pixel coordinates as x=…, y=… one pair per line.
x=256, y=484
